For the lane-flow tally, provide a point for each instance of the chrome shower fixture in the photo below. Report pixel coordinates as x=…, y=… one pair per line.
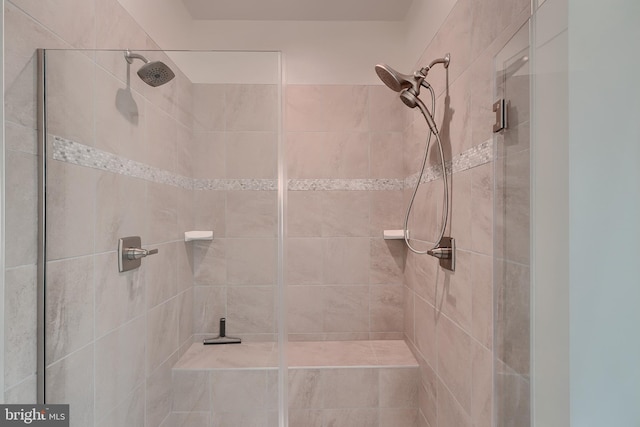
x=398, y=82
x=154, y=73
x=409, y=88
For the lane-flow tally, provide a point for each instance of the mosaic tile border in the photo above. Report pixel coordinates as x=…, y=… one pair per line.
x=82, y=155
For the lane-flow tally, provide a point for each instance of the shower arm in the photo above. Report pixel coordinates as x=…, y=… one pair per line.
x=129, y=57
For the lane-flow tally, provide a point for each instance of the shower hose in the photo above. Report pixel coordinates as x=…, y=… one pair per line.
x=445, y=208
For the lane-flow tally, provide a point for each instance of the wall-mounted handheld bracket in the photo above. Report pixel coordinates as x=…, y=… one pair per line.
x=130, y=253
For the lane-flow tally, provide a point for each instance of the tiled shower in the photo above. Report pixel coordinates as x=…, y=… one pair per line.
x=195, y=156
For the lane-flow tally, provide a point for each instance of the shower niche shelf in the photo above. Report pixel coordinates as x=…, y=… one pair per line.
x=190, y=236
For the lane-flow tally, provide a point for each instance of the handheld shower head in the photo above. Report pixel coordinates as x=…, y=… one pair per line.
x=394, y=80
x=154, y=73
x=397, y=81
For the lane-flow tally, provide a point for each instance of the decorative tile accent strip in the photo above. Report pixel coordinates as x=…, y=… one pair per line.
x=236, y=184
x=345, y=184
x=83, y=155
x=473, y=157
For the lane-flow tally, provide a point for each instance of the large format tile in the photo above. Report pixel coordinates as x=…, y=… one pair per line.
x=69, y=306
x=119, y=365
x=21, y=328
x=21, y=209
x=71, y=381
x=70, y=210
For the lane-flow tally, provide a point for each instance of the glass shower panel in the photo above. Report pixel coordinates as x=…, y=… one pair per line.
x=511, y=237
x=123, y=158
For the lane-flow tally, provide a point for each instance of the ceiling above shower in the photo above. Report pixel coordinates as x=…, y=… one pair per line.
x=299, y=10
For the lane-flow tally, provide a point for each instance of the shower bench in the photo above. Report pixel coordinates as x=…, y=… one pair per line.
x=336, y=383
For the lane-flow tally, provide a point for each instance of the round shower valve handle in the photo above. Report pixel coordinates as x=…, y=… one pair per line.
x=137, y=253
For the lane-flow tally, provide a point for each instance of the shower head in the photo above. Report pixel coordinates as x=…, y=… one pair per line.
x=154, y=73
x=397, y=81
x=394, y=80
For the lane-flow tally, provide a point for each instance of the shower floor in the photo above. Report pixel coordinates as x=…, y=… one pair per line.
x=342, y=383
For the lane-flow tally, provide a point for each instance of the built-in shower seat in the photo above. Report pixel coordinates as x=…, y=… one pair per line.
x=359, y=383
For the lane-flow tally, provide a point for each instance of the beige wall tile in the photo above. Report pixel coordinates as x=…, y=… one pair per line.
x=387, y=211
x=358, y=417
x=327, y=154
x=386, y=155
x=393, y=417
x=305, y=309
x=113, y=221
x=454, y=361
x=305, y=389
x=23, y=36
x=385, y=305
x=304, y=261
x=482, y=214
x=304, y=213
x=425, y=331
x=482, y=299
x=70, y=83
x=251, y=155
x=347, y=107
x=209, y=208
x=162, y=333
x=346, y=260
x=350, y=388
x=20, y=138
x=305, y=418
x=398, y=388
x=209, y=305
x=236, y=390
x=71, y=381
x=129, y=412
x=251, y=107
x=191, y=391
x=450, y=413
x=346, y=308
x=386, y=111
x=251, y=214
x=454, y=292
x=161, y=274
x=20, y=350
x=69, y=307
x=345, y=213
x=21, y=208
x=162, y=214
x=304, y=109
x=251, y=261
x=387, y=261
x=119, y=365
x=210, y=262
x=120, y=297
x=208, y=107
x=209, y=155
x=481, y=386
x=250, y=310
x=120, y=130
x=70, y=210
x=161, y=132
x=159, y=394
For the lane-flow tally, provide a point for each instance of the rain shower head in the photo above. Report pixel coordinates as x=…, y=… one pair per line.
x=154, y=73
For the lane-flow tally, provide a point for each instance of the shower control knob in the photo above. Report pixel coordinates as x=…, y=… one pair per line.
x=130, y=253
x=137, y=253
